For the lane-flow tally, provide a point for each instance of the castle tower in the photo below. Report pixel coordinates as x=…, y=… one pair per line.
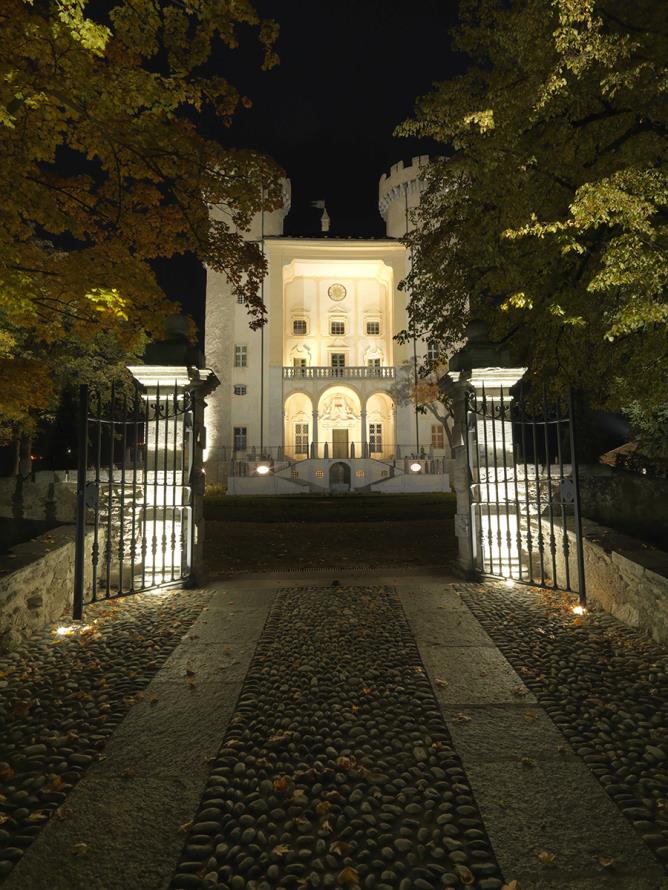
x=399, y=193
x=226, y=328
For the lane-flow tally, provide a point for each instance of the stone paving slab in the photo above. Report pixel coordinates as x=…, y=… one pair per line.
x=129, y=807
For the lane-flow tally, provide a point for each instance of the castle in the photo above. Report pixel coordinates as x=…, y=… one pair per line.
x=309, y=402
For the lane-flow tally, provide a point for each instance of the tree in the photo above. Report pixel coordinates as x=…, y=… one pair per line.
x=548, y=217
x=105, y=168
x=431, y=392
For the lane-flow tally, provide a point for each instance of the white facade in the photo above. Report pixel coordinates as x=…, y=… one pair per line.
x=311, y=396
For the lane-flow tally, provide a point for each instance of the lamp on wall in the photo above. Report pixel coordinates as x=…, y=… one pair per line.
x=263, y=469
x=415, y=467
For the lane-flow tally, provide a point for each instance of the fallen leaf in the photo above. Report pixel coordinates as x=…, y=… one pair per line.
x=79, y=849
x=37, y=817
x=323, y=807
x=345, y=762
x=529, y=716
x=281, y=784
x=3, y=818
x=339, y=848
x=520, y=690
x=281, y=849
x=440, y=682
x=185, y=827
x=347, y=875
x=465, y=875
x=606, y=861
x=461, y=718
x=527, y=761
x=545, y=857
x=366, y=690
x=511, y=885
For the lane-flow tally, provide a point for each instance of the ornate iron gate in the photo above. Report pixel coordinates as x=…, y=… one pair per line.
x=524, y=491
x=134, y=500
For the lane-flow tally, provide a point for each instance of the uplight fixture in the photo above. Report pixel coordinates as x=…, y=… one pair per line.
x=416, y=467
x=509, y=582
x=263, y=469
x=579, y=610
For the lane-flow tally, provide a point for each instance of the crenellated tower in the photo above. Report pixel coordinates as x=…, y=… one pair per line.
x=399, y=192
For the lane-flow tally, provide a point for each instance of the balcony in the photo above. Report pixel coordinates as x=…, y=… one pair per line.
x=327, y=372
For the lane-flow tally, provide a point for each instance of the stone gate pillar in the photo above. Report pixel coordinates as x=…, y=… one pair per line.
x=479, y=443
x=174, y=451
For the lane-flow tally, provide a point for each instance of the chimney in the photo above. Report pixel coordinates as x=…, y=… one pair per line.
x=324, y=219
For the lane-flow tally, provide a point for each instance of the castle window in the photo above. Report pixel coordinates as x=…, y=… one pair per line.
x=240, y=298
x=239, y=389
x=301, y=438
x=240, y=355
x=240, y=438
x=432, y=352
x=338, y=362
x=437, y=436
x=375, y=437
x=373, y=328
x=299, y=327
x=337, y=328
x=373, y=363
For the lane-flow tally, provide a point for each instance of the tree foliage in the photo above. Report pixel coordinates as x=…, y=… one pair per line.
x=430, y=393
x=549, y=216
x=105, y=168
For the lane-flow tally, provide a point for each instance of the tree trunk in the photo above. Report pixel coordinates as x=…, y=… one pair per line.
x=24, y=452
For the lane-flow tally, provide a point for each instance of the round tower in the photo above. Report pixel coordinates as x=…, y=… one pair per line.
x=398, y=192
x=272, y=224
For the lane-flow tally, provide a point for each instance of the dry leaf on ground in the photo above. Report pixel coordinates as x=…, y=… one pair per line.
x=79, y=849
x=465, y=875
x=347, y=876
x=545, y=857
x=440, y=682
x=281, y=849
x=511, y=885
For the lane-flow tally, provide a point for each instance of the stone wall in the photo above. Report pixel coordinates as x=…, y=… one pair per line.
x=39, y=589
x=627, y=578
x=50, y=495
x=631, y=503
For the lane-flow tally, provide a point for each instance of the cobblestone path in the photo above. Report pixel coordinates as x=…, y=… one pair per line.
x=62, y=696
x=603, y=684
x=337, y=768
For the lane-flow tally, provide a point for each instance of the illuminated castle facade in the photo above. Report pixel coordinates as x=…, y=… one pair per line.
x=308, y=404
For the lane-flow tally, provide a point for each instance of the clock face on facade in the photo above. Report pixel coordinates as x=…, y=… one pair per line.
x=336, y=292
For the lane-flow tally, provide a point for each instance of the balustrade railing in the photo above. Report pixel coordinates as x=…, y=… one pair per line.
x=244, y=462
x=326, y=372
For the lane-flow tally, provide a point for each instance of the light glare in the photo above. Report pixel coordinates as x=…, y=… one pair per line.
x=263, y=469
x=579, y=610
x=415, y=468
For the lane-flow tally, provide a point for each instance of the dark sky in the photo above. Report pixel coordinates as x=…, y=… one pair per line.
x=349, y=73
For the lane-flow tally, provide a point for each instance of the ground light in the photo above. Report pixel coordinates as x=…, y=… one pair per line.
x=263, y=469
x=68, y=630
x=415, y=468
x=579, y=610
x=509, y=582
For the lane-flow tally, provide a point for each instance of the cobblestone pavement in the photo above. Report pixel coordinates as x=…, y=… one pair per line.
x=337, y=768
x=373, y=736
x=62, y=696
x=603, y=684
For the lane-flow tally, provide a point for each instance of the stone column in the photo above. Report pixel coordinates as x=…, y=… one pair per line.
x=314, y=439
x=363, y=439
x=174, y=449
x=485, y=481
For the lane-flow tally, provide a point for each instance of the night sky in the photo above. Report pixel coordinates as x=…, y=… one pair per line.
x=350, y=71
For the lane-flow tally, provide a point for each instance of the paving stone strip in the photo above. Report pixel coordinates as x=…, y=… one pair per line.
x=337, y=769
x=61, y=697
x=603, y=684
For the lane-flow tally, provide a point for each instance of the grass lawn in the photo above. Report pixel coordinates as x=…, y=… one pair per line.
x=251, y=534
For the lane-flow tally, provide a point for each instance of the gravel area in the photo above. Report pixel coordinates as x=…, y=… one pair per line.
x=337, y=769
x=62, y=696
x=603, y=684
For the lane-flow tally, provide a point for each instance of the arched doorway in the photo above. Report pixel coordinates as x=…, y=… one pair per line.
x=339, y=477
